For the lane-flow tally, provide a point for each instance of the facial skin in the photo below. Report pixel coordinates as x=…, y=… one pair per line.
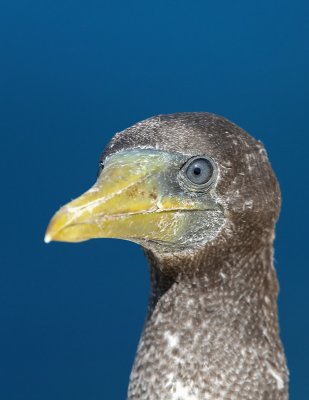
x=147, y=196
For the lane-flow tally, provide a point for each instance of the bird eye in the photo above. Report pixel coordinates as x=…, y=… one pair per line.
x=199, y=171
x=100, y=169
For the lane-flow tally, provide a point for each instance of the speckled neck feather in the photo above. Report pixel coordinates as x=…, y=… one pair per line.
x=213, y=333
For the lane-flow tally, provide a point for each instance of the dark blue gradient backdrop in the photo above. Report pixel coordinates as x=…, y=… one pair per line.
x=72, y=73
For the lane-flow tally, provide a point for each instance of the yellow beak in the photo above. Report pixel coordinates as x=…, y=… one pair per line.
x=131, y=200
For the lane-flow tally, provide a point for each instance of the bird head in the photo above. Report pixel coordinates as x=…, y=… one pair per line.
x=175, y=182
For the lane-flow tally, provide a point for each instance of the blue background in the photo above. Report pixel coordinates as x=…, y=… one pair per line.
x=72, y=73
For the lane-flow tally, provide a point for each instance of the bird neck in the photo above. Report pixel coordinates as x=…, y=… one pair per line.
x=212, y=321
x=235, y=273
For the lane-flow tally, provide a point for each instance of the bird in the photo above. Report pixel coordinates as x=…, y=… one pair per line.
x=198, y=193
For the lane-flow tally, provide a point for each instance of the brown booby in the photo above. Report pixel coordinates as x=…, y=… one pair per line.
x=199, y=194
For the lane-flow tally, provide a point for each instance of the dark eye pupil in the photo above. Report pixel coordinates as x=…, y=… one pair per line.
x=197, y=171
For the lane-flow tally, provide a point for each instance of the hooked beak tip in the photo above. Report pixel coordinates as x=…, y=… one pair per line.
x=47, y=238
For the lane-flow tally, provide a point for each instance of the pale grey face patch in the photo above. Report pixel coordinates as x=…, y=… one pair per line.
x=204, y=219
